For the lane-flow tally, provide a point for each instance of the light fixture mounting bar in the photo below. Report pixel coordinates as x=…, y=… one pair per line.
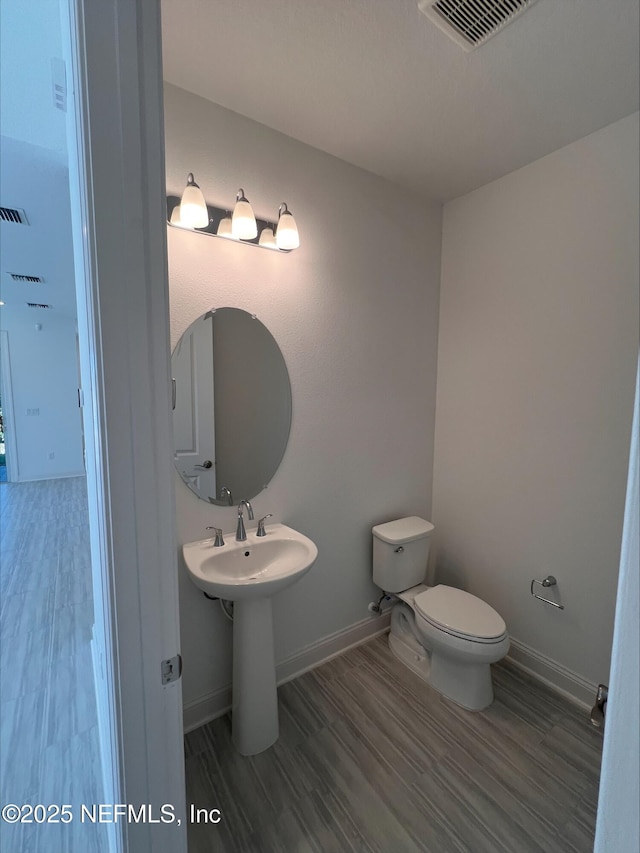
x=218, y=213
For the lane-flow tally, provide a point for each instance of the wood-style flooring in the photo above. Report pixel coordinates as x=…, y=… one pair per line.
x=49, y=750
x=372, y=759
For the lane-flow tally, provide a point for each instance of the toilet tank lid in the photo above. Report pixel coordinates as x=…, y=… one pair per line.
x=403, y=530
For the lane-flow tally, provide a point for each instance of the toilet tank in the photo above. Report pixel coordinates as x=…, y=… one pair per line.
x=400, y=553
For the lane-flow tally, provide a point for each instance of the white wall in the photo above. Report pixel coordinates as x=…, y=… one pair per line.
x=538, y=342
x=354, y=311
x=30, y=37
x=44, y=379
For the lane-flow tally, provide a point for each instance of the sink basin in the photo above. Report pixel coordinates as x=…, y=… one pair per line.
x=258, y=568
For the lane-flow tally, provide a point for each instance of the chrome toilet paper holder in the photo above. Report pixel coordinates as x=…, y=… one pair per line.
x=546, y=583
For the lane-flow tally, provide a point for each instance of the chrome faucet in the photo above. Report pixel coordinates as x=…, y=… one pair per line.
x=241, y=533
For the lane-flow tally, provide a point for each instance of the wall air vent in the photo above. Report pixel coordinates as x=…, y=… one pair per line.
x=471, y=23
x=13, y=214
x=38, y=305
x=28, y=279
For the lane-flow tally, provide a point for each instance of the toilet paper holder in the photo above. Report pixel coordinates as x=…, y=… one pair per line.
x=546, y=583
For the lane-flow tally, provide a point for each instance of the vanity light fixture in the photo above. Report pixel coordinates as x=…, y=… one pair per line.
x=243, y=221
x=191, y=212
x=287, y=231
x=193, y=207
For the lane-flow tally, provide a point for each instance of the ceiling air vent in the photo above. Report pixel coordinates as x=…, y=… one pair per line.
x=471, y=23
x=13, y=214
x=38, y=305
x=29, y=279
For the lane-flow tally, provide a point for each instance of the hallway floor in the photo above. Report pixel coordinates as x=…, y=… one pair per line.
x=372, y=759
x=48, y=734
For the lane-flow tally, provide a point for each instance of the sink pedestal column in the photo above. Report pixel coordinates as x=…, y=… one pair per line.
x=254, y=710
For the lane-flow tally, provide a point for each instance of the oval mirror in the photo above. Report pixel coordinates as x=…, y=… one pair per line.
x=231, y=406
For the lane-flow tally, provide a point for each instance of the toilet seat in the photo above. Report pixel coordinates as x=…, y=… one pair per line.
x=460, y=614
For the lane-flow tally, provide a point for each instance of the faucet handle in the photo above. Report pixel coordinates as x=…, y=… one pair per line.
x=261, y=530
x=219, y=540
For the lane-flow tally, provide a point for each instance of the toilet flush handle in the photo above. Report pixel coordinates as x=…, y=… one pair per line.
x=399, y=550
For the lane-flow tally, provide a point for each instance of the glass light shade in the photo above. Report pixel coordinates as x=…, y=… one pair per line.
x=193, y=207
x=175, y=216
x=224, y=228
x=287, y=236
x=243, y=221
x=267, y=239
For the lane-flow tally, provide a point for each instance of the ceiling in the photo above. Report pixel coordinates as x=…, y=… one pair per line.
x=375, y=83
x=371, y=81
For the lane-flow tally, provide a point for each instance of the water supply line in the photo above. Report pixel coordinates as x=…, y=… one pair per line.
x=376, y=606
x=227, y=608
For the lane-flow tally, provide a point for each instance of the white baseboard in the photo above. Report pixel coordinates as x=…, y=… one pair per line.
x=64, y=475
x=556, y=676
x=218, y=702
x=330, y=647
x=206, y=708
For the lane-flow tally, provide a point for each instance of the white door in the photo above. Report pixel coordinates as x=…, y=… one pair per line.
x=193, y=415
x=117, y=192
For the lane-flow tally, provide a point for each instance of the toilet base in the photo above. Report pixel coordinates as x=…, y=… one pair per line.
x=408, y=650
x=467, y=683
x=469, y=686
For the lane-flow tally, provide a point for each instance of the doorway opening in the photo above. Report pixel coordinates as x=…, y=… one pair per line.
x=51, y=619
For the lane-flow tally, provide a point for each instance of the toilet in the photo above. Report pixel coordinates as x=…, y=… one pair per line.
x=447, y=636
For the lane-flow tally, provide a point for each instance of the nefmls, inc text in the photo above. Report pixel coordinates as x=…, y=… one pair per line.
x=127, y=812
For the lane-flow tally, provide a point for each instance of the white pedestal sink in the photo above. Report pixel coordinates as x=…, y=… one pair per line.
x=249, y=573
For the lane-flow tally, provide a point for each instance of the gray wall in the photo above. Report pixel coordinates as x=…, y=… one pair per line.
x=355, y=313
x=536, y=368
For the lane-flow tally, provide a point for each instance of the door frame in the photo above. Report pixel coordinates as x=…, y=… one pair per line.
x=617, y=818
x=118, y=207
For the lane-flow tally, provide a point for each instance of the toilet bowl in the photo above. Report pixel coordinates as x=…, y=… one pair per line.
x=445, y=635
x=455, y=657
